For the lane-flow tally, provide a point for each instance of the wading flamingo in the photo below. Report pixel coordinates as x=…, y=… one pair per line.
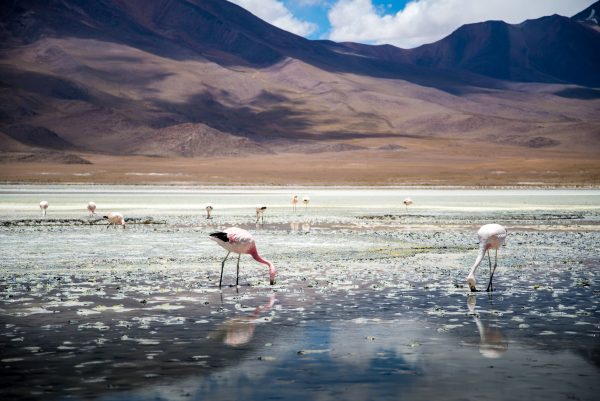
x=294, y=202
x=260, y=213
x=491, y=236
x=306, y=200
x=115, y=219
x=240, y=241
x=43, y=207
x=91, y=207
x=209, y=210
x=407, y=202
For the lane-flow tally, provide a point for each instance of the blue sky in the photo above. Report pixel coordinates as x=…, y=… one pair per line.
x=316, y=12
x=404, y=23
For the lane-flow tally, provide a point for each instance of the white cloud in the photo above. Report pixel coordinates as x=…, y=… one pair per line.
x=308, y=3
x=425, y=21
x=275, y=13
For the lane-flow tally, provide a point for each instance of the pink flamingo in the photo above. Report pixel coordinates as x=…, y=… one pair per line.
x=260, y=214
x=115, y=219
x=43, y=207
x=491, y=236
x=240, y=241
x=295, y=201
x=91, y=207
x=306, y=200
x=407, y=202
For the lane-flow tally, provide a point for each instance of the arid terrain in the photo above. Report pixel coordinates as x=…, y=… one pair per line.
x=470, y=166
x=204, y=92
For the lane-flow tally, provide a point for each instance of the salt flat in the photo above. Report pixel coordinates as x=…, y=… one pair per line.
x=370, y=300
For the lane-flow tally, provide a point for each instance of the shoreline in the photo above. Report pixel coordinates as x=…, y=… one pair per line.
x=308, y=186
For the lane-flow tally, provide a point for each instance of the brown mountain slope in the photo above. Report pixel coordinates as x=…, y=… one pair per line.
x=118, y=78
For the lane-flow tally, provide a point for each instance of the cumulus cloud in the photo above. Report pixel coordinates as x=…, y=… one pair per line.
x=425, y=21
x=275, y=13
x=308, y=3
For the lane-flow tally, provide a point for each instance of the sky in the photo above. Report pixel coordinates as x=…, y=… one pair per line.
x=403, y=23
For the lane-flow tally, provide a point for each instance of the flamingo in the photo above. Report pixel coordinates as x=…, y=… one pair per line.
x=43, y=207
x=115, y=219
x=305, y=200
x=260, y=213
x=407, y=202
x=91, y=207
x=209, y=210
x=294, y=202
x=240, y=241
x=491, y=236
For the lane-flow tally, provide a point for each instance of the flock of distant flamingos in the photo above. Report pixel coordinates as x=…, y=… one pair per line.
x=240, y=241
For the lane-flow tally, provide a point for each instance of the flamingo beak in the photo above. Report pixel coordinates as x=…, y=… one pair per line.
x=272, y=281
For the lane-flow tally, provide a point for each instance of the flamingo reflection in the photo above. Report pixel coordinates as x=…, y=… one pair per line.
x=240, y=330
x=302, y=227
x=492, y=343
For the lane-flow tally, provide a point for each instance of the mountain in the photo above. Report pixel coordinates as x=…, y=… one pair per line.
x=206, y=78
x=590, y=16
x=552, y=49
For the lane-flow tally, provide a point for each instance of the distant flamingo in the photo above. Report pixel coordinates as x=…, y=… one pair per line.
x=209, y=210
x=240, y=241
x=43, y=207
x=91, y=207
x=260, y=213
x=491, y=236
x=294, y=202
x=306, y=200
x=407, y=202
x=115, y=219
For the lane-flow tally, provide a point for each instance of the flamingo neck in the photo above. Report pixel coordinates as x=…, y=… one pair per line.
x=258, y=258
x=471, y=276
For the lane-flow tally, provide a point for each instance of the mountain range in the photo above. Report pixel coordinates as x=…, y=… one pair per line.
x=204, y=79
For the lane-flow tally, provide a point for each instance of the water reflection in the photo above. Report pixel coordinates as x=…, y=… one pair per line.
x=492, y=343
x=303, y=227
x=240, y=330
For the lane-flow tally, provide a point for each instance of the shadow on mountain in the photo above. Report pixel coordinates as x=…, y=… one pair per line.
x=38, y=137
x=579, y=93
x=254, y=122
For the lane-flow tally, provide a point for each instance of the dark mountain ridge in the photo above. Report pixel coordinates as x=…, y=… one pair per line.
x=191, y=77
x=549, y=49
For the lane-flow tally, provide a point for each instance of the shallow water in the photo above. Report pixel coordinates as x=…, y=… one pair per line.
x=370, y=300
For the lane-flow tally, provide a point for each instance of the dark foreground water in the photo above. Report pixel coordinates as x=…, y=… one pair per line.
x=369, y=304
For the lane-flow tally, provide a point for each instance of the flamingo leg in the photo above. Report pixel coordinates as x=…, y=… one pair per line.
x=222, y=267
x=490, y=285
x=237, y=277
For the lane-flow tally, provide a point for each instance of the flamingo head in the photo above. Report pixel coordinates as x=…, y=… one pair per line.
x=272, y=274
x=471, y=282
